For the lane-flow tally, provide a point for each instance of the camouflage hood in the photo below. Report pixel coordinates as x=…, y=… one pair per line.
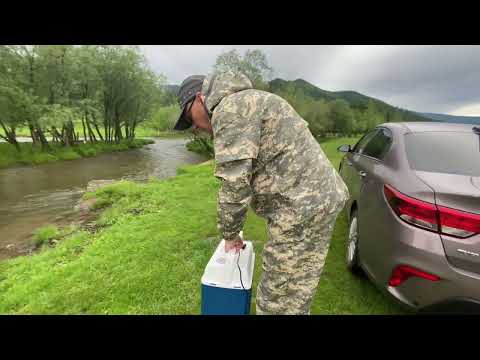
x=219, y=85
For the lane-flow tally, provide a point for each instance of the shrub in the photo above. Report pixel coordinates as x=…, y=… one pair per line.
x=45, y=234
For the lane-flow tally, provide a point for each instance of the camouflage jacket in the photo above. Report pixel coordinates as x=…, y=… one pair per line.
x=265, y=156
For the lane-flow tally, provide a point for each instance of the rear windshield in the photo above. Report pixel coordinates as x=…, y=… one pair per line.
x=444, y=152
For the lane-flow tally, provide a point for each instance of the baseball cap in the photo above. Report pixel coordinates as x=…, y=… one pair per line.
x=189, y=87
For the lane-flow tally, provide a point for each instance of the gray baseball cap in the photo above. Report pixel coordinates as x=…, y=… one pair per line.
x=189, y=87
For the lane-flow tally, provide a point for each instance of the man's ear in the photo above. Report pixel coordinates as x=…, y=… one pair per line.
x=200, y=96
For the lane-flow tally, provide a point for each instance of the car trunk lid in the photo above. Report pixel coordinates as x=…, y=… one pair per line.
x=461, y=193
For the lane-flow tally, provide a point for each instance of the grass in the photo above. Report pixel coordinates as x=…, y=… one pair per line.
x=30, y=155
x=24, y=131
x=49, y=235
x=151, y=252
x=44, y=234
x=140, y=132
x=199, y=147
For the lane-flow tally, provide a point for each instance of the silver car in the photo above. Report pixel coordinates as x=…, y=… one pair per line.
x=414, y=213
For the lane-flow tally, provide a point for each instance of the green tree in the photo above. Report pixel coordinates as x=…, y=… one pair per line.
x=57, y=116
x=253, y=64
x=18, y=103
x=373, y=115
x=86, y=88
x=129, y=90
x=322, y=121
x=342, y=117
x=16, y=107
x=164, y=118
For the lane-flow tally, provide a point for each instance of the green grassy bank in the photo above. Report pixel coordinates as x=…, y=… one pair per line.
x=143, y=132
x=30, y=155
x=140, y=132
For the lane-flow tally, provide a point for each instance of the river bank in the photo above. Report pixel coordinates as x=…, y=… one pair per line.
x=141, y=132
x=148, y=252
x=29, y=155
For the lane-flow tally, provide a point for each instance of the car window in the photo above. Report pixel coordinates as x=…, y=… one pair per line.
x=379, y=144
x=358, y=148
x=444, y=152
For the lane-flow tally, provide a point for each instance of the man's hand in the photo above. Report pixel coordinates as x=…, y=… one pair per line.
x=235, y=244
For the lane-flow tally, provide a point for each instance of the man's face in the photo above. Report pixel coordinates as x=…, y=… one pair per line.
x=197, y=114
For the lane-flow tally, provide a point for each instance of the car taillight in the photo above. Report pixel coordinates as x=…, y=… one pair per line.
x=404, y=272
x=432, y=217
x=458, y=223
x=413, y=211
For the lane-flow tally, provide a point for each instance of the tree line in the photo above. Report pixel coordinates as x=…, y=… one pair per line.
x=335, y=117
x=105, y=91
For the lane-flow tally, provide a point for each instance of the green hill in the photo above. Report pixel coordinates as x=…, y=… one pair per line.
x=354, y=99
x=338, y=112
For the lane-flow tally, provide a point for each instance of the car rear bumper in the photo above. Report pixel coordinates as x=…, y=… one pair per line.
x=453, y=306
x=457, y=290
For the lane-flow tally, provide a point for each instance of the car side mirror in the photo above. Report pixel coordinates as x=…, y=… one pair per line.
x=344, y=148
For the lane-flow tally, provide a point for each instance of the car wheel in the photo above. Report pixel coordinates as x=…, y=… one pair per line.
x=352, y=256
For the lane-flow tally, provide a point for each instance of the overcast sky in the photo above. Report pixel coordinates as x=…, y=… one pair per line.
x=440, y=79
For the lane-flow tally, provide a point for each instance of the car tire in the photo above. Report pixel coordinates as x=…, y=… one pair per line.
x=352, y=253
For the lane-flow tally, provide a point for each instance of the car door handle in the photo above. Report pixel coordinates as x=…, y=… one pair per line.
x=362, y=173
x=349, y=163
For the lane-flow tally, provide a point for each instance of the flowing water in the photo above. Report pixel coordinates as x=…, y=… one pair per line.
x=33, y=196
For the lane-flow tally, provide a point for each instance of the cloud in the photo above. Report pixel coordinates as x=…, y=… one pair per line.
x=443, y=79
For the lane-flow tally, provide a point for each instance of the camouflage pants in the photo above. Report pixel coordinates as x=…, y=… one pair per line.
x=293, y=260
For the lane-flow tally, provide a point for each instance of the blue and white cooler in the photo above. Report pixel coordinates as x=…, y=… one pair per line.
x=227, y=281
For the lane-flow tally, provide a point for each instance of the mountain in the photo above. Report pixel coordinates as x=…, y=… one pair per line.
x=353, y=98
x=452, y=118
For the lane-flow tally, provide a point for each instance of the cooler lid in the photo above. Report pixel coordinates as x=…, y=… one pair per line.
x=230, y=270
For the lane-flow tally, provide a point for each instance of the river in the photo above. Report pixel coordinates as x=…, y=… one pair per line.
x=33, y=196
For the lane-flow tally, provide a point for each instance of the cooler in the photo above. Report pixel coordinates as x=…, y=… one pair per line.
x=227, y=281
